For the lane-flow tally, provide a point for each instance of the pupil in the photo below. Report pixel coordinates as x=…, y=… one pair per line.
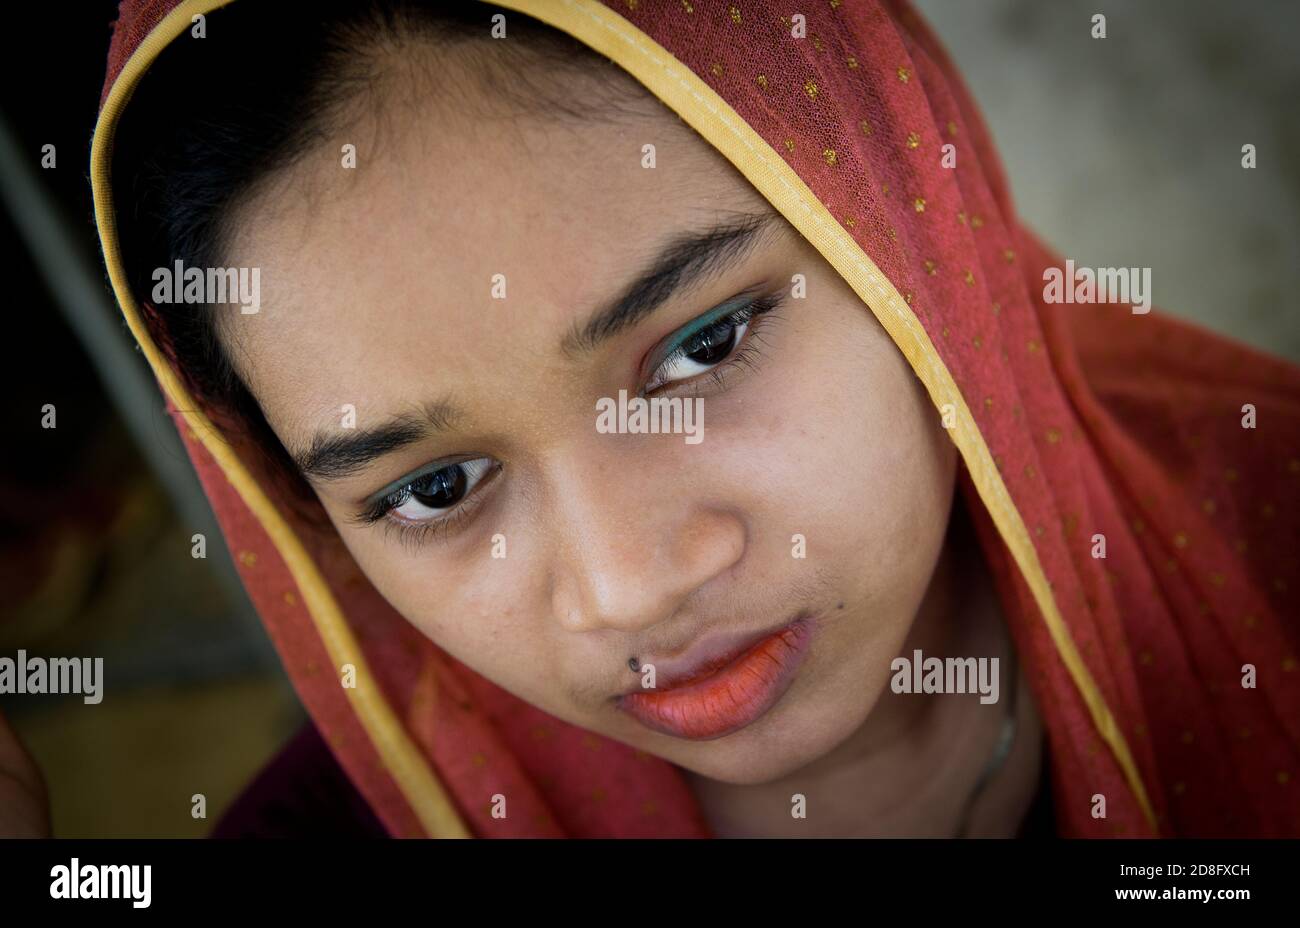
x=442, y=488
x=713, y=344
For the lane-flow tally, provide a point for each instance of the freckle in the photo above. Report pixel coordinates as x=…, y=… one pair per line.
x=840, y=606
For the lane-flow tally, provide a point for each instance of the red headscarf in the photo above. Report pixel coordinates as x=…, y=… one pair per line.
x=1072, y=422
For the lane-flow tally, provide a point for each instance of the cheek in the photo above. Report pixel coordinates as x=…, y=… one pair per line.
x=908, y=470
x=898, y=491
x=849, y=452
x=463, y=605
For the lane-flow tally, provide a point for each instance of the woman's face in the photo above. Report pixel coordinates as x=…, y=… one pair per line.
x=455, y=290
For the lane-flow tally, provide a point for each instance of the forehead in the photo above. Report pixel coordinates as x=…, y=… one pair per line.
x=397, y=265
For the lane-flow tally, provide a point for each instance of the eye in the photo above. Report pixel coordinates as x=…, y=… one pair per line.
x=707, y=342
x=432, y=495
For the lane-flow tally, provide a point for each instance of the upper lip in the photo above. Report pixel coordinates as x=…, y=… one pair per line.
x=707, y=655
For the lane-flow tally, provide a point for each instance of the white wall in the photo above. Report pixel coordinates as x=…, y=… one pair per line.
x=1127, y=151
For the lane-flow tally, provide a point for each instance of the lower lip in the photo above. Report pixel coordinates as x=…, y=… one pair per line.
x=731, y=697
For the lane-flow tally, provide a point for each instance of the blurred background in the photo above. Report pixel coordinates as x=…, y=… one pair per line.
x=1121, y=152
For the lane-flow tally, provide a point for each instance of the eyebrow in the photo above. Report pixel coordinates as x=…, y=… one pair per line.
x=686, y=261
x=335, y=456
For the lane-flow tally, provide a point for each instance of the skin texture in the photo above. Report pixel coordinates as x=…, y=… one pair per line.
x=376, y=292
x=24, y=803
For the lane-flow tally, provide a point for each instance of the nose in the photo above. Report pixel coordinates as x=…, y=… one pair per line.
x=633, y=550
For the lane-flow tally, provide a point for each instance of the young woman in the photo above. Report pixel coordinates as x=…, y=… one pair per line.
x=902, y=546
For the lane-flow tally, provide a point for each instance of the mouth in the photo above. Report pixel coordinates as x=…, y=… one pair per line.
x=718, y=692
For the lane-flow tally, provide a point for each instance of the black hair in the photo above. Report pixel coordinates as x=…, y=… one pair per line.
x=217, y=116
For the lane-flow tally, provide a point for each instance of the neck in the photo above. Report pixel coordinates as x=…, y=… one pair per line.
x=913, y=764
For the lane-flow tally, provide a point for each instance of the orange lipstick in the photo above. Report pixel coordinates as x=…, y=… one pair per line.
x=726, y=694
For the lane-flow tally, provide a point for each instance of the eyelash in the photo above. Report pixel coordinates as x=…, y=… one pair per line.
x=759, y=309
x=415, y=534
